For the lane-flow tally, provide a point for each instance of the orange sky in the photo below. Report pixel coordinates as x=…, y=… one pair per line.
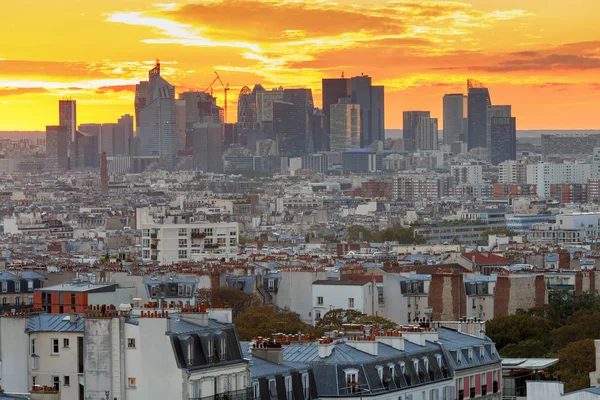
x=541, y=56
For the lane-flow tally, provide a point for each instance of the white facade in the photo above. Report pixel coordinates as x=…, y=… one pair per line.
x=294, y=284
x=55, y=361
x=347, y=295
x=172, y=243
x=512, y=172
x=137, y=361
x=406, y=297
x=545, y=174
x=554, y=390
x=14, y=355
x=467, y=173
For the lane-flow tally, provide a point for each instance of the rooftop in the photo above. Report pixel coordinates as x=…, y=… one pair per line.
x=528, y=363
x=55, y=323
x=341, y=283
x=82, y=287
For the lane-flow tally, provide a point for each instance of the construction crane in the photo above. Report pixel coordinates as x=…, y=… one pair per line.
x=225, y=90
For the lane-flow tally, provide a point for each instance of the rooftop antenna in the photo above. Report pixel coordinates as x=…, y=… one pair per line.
x=342, y=74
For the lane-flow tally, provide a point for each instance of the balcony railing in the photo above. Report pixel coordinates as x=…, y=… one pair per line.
x=233, y=395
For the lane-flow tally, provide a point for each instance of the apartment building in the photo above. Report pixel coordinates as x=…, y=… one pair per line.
x=545, y=174
x=411, y=363
x=356, y=295
x=169, y=243
x=408, y=297
x=16, y=292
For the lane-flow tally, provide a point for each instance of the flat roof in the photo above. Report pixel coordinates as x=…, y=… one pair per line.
x=341, y=283
x=83, y=287
x=528, y=363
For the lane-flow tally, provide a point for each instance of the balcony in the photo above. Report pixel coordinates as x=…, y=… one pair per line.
x=153, y=236
x=198, y=235
x=233, y=395
x=211, y=246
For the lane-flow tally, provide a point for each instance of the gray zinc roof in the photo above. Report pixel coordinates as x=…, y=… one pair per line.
x=54, y=323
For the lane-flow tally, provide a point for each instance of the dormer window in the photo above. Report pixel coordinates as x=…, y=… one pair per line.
x=416, y=365
x=403, y=368
x=392, y=368
x=223, y=348
x=426, y=364
x=470, y=351
x=493, y=350
x=352, y=380
x=209, y=354
x=438, y=358
x=481, y=351
x=458, y=357
x=380, y=372
x=190, y=350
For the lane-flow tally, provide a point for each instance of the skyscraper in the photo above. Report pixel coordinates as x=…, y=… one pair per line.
x=180, y=125
x=156, y=117
x=345, y=126
x=319, y=130
x=207, y=140
x=264, y=104
x=123, y=135
x=361, y=95
x=410, y=124
x=200, y=107
x=478, y=102
x=67, y=117
x=377, y=114
x=57, y=143
x=103, y=174
x=292, y=122
x=333, y=90
x=370, y=98
x=427, y=133
x=455, y=117
x=501, y=134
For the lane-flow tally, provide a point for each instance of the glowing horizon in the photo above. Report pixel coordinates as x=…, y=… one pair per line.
x=541, y=58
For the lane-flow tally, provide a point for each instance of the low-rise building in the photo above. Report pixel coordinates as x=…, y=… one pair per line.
x=356, y=295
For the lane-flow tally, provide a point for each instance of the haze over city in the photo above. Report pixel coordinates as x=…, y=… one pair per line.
x=541, y=57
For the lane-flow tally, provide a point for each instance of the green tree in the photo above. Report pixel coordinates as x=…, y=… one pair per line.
x=266, y=320
x=575, y=361
x=497, y=231
x=528, y=348
x=228, y=297
x=584, y=325
x=334, y=319
x=512, y=329
x=400, y=234
x=563, y=305
x=358, y=232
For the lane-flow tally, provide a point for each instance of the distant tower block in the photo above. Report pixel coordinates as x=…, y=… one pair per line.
x=103, y=174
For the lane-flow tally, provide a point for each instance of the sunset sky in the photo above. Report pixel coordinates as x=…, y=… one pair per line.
x=541, y=56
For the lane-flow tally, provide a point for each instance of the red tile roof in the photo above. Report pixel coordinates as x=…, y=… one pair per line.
x=486, y=258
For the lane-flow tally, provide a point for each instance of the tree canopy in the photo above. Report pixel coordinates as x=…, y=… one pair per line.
x=334, y=319
x=266, y=320
x=397, y=233
x=228, y=296
x=565, y=328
